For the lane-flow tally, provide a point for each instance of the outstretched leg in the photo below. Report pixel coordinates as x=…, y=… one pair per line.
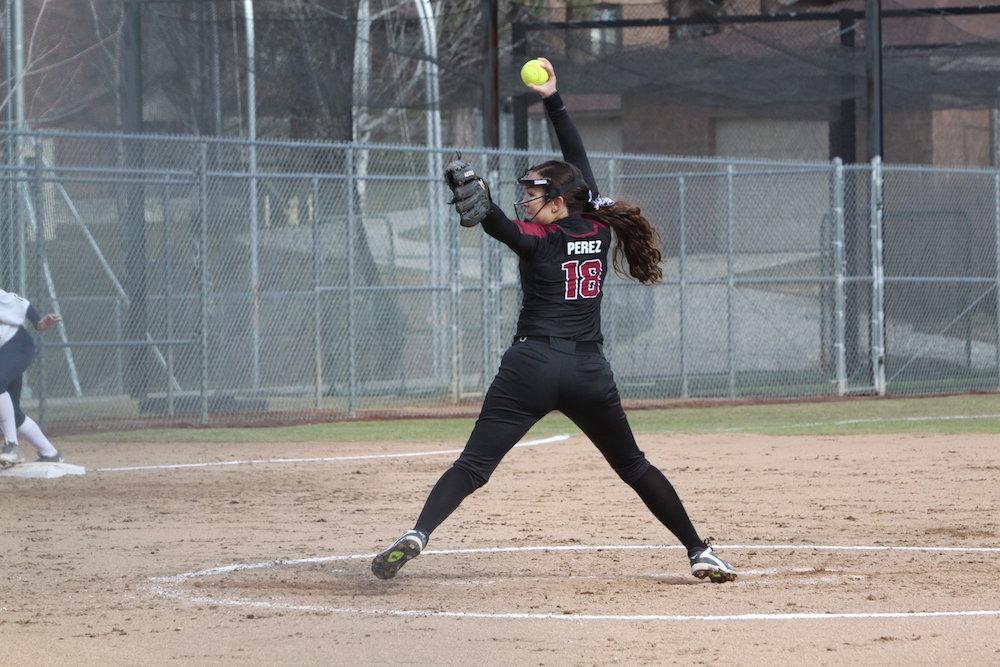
x=608, y=428
x=593, y=403
x=515, y=401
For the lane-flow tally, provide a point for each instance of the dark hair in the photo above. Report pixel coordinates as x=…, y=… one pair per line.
x=638, y=242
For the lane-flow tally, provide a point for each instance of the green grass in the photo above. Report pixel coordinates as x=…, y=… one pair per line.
x=981, y=414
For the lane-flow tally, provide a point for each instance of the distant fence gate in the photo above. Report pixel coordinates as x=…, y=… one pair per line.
x=332, y=281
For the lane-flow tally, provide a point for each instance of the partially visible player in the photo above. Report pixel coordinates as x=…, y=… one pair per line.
x=17, y=351
x=563, y=241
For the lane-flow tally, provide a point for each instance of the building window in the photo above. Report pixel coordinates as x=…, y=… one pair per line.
x=605, y=41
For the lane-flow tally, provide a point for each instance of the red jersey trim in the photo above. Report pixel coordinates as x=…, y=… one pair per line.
x=535, y=228
x=595, y=229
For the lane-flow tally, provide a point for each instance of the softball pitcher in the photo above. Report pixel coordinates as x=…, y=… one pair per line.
x=17, y=351
x=563, y=238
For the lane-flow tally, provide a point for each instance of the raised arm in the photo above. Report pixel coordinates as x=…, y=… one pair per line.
x=471, y=197
x=521, y=237
x=568, y=136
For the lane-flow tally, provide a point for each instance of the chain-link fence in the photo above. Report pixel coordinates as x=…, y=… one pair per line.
x=331, y=280
x=782, y=79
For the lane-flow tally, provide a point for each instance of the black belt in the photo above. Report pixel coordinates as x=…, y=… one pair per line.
x=563, y=344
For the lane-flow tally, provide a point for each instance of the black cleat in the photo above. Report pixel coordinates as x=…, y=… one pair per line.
x=706, y=565
x=408, y=546
x=55, y=458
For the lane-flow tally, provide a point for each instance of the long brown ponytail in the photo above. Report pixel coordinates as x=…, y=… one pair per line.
x=638, y=241
x=638, y=244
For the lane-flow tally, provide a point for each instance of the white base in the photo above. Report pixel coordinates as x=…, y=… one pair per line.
x=36, y=470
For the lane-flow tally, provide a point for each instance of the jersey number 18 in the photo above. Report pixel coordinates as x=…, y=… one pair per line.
x=583, y=279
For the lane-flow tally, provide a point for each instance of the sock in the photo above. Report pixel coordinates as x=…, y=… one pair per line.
x=449, y=492
x=33, y=434
x=7, y=419
x=662, y=500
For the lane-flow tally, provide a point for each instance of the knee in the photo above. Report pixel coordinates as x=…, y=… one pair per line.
x=631, y=472
x=478, y=470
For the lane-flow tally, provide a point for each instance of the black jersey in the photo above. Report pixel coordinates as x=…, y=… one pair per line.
x=563, y=264
x=562, y=267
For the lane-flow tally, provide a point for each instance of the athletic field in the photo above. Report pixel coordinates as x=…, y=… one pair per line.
x=865, y=531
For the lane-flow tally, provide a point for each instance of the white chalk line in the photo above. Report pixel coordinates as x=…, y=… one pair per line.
x=850, y=422
x=543, y=441
x=169, y=587
x=827, y=577
x=237, y=567
x=324, y=459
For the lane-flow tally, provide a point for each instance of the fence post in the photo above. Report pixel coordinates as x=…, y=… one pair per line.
x=839, y=266
x=455, y=284
x=996, y=259
x=682, y=296
x=484, y=294
x=730, y=282
x=119, y=354
x=203, y=278
x=352, y=219
x=613, y=185
x=878, y=281
x=317, y=301
x=168, y=289
x=437, y=251
x=39, y=218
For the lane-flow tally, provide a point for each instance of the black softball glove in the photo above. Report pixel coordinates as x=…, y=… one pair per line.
x=470, y=194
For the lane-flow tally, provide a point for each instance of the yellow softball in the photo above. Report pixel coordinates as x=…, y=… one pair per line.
x=533, y=74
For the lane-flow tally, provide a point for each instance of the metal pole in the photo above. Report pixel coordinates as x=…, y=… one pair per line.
x=352, y=221
x=730, y=282
x=843, y=130
x=519, y=101
x=968, y=294
x=11, y=187
x=168, y=284
x=119, y=354
x=436, y=249
x=878, y=282
x=216, y=77
x=455, y=283
x=203, y=262
x=873, y=75
x=317, y=301
x=484, y=297
x=996, y=260
x=19, y=123
x=682, y=278
x=839, y=267
x=134, y=232
x=484, y=310
x=36, y=187
x=248, y=23
x=491, y=84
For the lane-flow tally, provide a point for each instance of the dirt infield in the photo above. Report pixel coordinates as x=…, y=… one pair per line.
x=100, y=568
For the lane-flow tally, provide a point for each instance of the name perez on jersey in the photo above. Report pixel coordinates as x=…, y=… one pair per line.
x=583, y=247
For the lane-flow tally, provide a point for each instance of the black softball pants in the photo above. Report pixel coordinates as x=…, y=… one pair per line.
x=537, y=376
